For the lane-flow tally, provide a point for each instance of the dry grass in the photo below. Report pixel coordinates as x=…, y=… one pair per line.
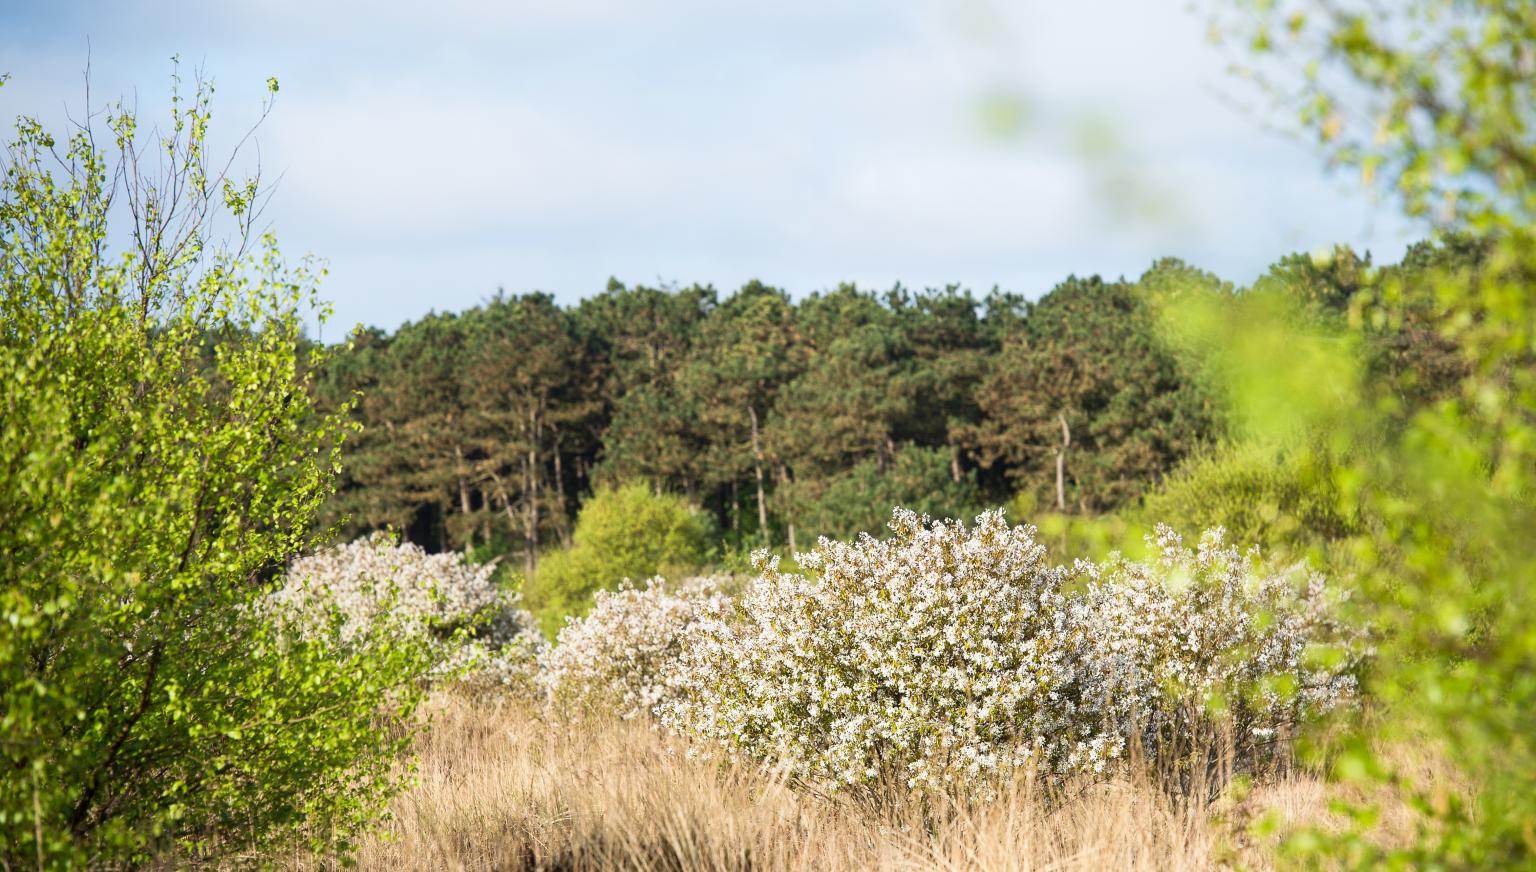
x=503, y=789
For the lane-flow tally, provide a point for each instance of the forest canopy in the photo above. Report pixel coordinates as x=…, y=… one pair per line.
x=785, y=419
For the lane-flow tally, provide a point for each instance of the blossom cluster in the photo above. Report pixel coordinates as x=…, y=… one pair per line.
x=945, y=656
x=1198, y=630
x=376, y=585
x=940, y=654
x=619, y=655
x=952, y=656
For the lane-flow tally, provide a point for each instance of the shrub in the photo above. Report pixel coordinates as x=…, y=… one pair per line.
x=940, y=656
x=160, y=454
x=375, y=586
x=1284, y=499
x=1194, y=644
x=624, y=532
x=947, y=658
x=619, y=655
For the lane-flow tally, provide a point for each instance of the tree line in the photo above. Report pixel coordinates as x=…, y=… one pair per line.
x=786, y=419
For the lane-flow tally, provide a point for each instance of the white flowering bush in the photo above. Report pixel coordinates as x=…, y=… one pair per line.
x=949, y=657
x=942, y=655
x=376, y=585
x=1199, y=634
x=619, y=655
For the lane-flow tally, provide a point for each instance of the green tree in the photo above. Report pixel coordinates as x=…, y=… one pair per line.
x=623, y=532
x=643, y=336
x=149, y=707
x=524, y=375
x=1323, y=285
x=860, y=499
x=370, y=492
x=418, y=418
x=1414, y=358
x=845, y=404
x=406, y=469
x=951, y=353
x=654, y=436
x=1085, y=404
x=746, y=351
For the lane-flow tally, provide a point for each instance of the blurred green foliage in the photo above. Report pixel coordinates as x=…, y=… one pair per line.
x=1281, y=498
x=1070, y=538
x=1426, y=505
x=1431, y=100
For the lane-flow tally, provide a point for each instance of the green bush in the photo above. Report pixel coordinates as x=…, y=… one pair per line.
x=624, y=532
x=151, y=479
x=1282, y=499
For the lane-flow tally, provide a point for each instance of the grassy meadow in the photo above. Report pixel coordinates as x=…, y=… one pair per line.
x=504, y=787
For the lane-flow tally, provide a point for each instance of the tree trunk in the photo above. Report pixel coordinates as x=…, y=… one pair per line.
x=1061, y=464
x=506, y=503
x=531, y=510
x=535, y=478
x=562, y=528
x=735, y=507
x=954, y=460
x=789, y=512
x=469, y=530
x=757, y=469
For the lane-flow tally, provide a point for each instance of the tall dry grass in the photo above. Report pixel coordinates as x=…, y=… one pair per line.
x=500, y=787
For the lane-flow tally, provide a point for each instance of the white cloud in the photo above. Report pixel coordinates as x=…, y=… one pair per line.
x=436, y=151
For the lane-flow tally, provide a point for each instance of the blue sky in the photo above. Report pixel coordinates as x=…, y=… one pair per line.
x=435, y=152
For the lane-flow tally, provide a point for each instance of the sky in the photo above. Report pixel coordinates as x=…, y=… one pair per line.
x=432, y=153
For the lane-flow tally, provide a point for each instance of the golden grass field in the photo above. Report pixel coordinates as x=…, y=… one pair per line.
x=501, y=787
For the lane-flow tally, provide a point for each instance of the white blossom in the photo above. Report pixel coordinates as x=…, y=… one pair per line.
x=951, y=657
x=1195, y=628
x=939, y=656
x=375, y=585
x=946, y=657
x=617, y=656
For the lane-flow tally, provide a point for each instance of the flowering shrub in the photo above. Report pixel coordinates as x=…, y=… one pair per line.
x=948, y=656
x=619, y=654
x=375, y=585
x=1197, y=631
x=940, y=655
